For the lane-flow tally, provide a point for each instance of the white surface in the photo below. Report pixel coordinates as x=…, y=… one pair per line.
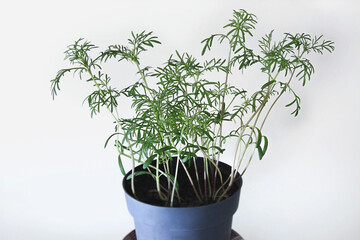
x=57, y=181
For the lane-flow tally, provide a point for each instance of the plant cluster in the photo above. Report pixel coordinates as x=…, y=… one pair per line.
x=184, y=114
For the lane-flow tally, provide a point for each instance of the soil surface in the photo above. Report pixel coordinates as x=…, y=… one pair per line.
x=145, y=185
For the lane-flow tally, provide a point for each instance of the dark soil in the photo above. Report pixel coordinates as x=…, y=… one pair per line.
x=145, y=185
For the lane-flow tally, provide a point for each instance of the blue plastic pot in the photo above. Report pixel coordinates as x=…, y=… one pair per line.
x=208, y=222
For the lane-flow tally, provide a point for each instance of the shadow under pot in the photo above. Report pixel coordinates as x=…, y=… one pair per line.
x=191, y=220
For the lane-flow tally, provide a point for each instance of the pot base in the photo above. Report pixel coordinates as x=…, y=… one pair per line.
x=234, y=236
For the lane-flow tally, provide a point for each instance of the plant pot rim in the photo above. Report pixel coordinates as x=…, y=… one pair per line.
x=239, y=186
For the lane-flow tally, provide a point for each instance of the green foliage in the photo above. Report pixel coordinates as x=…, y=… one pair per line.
x=184, y=115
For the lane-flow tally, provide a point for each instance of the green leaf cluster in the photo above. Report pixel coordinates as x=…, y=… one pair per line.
x=182, y=114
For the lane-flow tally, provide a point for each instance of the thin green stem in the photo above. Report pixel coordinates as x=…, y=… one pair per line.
x=175, y=181
x=197, y=177
x=191, y=181
x=222, y=111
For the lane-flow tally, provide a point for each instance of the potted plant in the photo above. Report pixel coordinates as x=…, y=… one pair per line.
x=178, y=188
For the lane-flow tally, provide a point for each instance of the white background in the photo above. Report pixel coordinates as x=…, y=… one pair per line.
x=57, y=181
